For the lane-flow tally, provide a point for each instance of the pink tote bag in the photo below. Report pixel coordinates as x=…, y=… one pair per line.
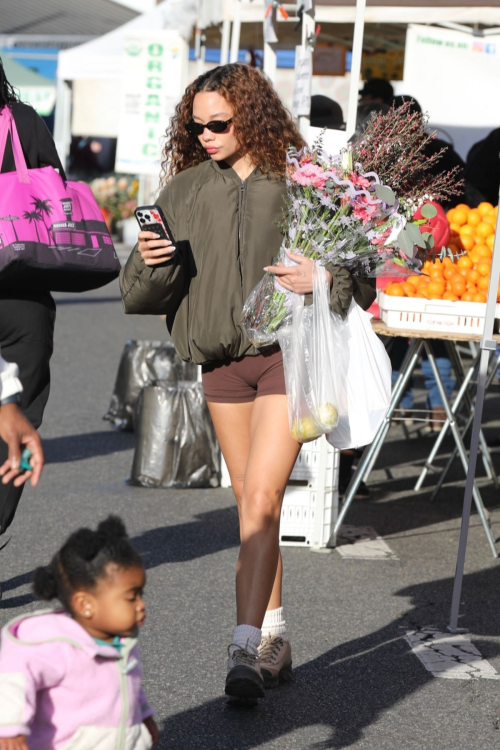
x=52, y=233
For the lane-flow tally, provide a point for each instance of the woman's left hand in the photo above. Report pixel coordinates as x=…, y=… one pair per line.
x=298, y=279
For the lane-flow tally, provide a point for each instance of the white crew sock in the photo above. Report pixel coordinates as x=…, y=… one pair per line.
x=248, y=637
x=274, y=624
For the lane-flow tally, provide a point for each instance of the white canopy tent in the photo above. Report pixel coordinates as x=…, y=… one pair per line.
x=95, y=70
x=463, y=15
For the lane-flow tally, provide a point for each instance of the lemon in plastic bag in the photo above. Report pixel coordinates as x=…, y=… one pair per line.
x=327, y=415
x=305, y=429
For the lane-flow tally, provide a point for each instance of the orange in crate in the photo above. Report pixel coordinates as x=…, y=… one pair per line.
x=484, y=208
x=484, y=229
x=484, y=267
x=474, y=217
x=435, y=289
x=395, y=290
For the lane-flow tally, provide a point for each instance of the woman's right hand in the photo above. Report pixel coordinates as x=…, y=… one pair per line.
x=13, y=743
x=153, y=250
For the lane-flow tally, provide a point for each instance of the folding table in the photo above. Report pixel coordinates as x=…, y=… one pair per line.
x=420, y=341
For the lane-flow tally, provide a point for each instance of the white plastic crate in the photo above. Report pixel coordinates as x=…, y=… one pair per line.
x=225, y=479
x=311, y=502
x=306, y=495
x=307, y=465
x=433, y=315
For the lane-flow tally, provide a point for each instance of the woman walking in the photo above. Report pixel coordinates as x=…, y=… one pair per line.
x=27, y=315
x=224, y=197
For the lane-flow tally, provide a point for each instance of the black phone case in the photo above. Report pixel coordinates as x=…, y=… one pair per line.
x=152, y=219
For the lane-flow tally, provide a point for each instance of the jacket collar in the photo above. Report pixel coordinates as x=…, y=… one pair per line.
x=59, y=626
x=222, y=168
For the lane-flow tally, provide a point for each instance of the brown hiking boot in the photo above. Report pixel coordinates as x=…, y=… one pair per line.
x=244, y=683
x=275, y=660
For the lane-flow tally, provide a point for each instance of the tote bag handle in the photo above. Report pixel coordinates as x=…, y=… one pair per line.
x=7, y=125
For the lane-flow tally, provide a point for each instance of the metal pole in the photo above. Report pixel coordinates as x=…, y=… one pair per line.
x=62, y=122
x=428, y=466
x=483, y=513
x=224, y=42
x=487, y=345
x=236, y=32
x=307, y=32
x=357, y=51
x=371, y=451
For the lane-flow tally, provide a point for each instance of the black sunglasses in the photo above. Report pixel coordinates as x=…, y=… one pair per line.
x=216, y=126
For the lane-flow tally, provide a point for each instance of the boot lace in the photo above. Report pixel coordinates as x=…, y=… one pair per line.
x=241, y=656
x=269, y=648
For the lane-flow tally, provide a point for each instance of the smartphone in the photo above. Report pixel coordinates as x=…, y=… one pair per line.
x=152, y=219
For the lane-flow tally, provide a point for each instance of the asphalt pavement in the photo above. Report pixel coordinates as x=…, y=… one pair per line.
x=357, y=683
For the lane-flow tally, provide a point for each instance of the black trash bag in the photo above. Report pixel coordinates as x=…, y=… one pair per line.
x=176, y=443
x=143, y=363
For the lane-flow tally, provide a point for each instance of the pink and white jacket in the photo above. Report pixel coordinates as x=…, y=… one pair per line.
x=65, y=692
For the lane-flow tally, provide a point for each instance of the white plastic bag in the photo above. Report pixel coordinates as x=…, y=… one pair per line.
x=310, y=352
x=365, y=380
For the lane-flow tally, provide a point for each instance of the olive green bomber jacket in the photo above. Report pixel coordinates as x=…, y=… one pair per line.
x=226, y=230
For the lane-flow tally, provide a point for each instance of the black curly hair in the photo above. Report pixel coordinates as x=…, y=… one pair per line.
x=8, y=94
x=82, y=561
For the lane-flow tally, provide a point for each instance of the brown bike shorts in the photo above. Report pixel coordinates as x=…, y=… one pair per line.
x=238, y=381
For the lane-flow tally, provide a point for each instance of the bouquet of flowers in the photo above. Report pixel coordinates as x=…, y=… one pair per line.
x=116, y=196
x=354, y=210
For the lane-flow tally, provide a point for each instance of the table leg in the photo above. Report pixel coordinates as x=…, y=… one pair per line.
x=461, y=448
x=453, y=455
x=372, y=451
x=428, y=466
x=485, y=453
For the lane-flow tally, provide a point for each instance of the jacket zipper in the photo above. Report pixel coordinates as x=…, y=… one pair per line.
x=240, y=222
x=121, y=664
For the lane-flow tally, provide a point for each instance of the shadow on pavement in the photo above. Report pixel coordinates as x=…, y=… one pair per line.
x=347, y=688
x=87, y=445
x=14, y=583
x=213, y=532
x=86, y=300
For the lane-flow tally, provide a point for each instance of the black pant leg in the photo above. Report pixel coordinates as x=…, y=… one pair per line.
x=26, y=338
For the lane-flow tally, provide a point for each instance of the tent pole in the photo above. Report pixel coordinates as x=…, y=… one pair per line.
x=357, y=51
x=62, y=120
x=224, y=42
x=236, y=32
x=308, y=29
x=487, y=345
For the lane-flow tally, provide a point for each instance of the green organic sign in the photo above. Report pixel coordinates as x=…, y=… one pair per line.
x=133, y=49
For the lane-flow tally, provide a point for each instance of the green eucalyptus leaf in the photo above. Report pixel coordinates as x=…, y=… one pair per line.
x=385, y=194
x=415, y=235
x=428, y=239
x=428, y=210
x=405, y=242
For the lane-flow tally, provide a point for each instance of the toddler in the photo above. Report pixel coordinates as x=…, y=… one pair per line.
x=72, y=677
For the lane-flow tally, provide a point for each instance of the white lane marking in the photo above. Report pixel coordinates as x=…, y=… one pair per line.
x=363, y=543
x=450, y=656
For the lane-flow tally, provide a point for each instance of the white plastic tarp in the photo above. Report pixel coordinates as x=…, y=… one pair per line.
x=96, y=67
x=469, y=71
x=102, y=57
x=210, y=12
x=33, y=88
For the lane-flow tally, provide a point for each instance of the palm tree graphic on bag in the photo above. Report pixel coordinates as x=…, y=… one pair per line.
x=33, y=217
x=44, y=207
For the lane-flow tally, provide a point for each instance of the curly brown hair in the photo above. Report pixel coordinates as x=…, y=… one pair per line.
x=263, y=126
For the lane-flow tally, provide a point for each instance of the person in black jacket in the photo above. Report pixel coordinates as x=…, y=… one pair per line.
x=482, y=172
x=27, y=316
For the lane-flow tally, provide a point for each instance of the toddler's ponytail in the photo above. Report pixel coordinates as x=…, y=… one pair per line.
x=45, y=583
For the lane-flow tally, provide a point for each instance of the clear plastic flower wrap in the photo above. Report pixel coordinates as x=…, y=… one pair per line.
x=309, y=351
x=356, y=209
